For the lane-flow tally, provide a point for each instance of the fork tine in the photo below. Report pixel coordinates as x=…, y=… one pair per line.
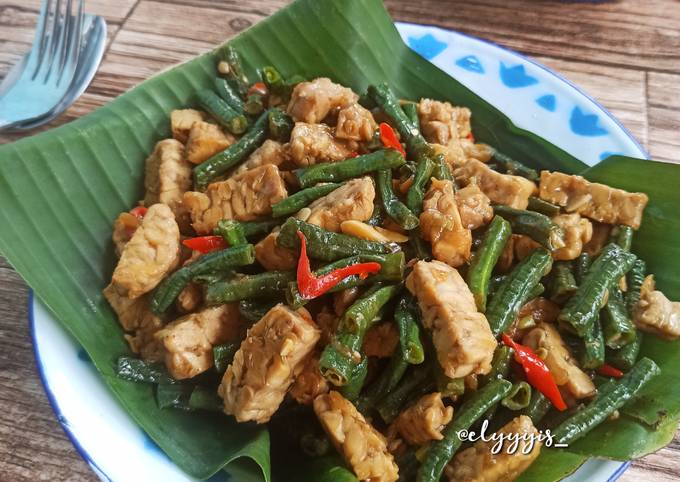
x=67, y=35
x=56, y=40
x=75, y=41
x=40, y=39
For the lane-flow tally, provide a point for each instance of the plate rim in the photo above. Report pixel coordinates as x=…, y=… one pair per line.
x=52, y=400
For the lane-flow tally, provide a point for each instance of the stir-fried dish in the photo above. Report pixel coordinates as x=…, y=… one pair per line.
x=359, y=273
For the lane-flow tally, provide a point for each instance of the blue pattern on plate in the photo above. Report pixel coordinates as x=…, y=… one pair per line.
x=471, y=63
x=516, y=77
x=548, y=102
x=585, y=124
x=427, y=46
x=83, y=356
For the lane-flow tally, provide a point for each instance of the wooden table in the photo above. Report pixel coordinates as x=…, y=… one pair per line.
x=626, y=54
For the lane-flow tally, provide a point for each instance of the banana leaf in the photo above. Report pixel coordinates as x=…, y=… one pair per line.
x=61, y=190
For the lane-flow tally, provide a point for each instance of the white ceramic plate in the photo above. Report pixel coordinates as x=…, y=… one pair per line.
x=531, y=95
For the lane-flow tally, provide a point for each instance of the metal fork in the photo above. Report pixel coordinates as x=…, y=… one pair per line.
x=49, y=67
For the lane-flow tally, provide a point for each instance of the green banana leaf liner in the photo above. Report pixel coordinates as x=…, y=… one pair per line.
x=61, y=190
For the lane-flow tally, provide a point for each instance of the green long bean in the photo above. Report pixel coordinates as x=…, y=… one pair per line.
x=384, y=98
x=581, y=267
x=280, y=125
x=624, y=358
x=386, y=382
x=326, y=245
x=355, y=382
x=544, y=207
x=537, y=226
x=538, y=407
x=510, y=166
x=221, y=162
x=584, y=306
x=519, y=396
x=218, y=261
x=229, y=118
x=416, y=193
x=623, y=236
x=562, y=283
x=232, y=232
x=301, y=199
x=441, y=451
x=394, y=208
x=227, y=93
x=349, y=168
x=415, y=383
x=515, y=289
x=617, y=326
x=410, y=346
x=634, y=279
x=593, y=346
x=500, y=365
x=611, y=397
x=485, y=258
x=341, y=356
x=235, y=74
x=268, y=285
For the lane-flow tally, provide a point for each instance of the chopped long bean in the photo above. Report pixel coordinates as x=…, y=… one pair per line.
x=235, y=74
x=611, y=397
x=624, y=358
x=617, y=326
x=538, y=407
x=249, y=228
x=581, y=266
x=416, y=193
x=355, y=382
x=280, y=125
x=634, y=279
x=485, y=258
x=271, y=284
x=409, y=332
x=623, y=236
x=537, y=226
x=386, y=382
x=593, y=346
x=510, y=166
x=416, y=382
x=229, y=118
x=252, y=311
x=385, y=99
x=301, y=199
x=224, y=354
x=441, y=451
x=411, y=111
x=584, y=306
x=232, y=232
x=221, y=162
x=442, y=171
x=217, y=261
x=227, y=93
x=515, y=289
x=519, y=396
x=395, y=209
x=326, y=245
x=349, y=168
x=500, y=365
x=341, y=356
x=562, y=282
x=544, y=207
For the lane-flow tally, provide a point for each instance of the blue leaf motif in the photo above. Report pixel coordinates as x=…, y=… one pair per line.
x=516, y=77
x=585, y=124
x=427, y=46
x=471, y=63
x=548, y=102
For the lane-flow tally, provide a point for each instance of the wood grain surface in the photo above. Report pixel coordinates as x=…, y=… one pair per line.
x=626, y=54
